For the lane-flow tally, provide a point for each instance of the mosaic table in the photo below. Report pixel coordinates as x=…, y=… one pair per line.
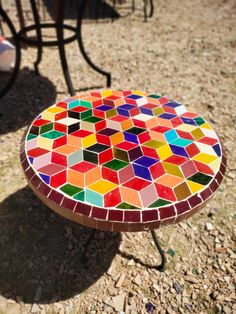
x=122, y=160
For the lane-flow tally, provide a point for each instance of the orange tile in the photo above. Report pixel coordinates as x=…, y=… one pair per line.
x=169, y=180
x=164, y=122
x=66, y=149
x=130, y=196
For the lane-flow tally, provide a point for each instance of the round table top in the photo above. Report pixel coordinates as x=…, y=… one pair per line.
x=122, y=160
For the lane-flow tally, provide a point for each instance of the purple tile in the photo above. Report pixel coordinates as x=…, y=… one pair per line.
x=115, y=215
x=25, y=164
x=107, y=131
x=132, y=216
x=135, y=153
x=219, y=177
x=149, y=215
x=83, y=209
x=56, y=197
x=166, y=212
x=222, y=168
x=224, y=159
x=99, y=213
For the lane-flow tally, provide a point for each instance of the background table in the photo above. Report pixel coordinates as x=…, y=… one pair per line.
x=122, y=160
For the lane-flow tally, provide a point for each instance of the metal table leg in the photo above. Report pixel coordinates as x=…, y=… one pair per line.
x=81, y=45
x=162, y=266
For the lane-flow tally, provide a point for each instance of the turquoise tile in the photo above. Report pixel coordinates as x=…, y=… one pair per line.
x=171, y=135
x=182, y=142
x=93, y=198
x=74, y=104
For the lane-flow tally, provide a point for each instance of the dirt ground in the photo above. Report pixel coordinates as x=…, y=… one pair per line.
x=186, y=52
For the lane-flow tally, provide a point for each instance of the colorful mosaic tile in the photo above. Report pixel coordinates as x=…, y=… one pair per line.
x=122, y=160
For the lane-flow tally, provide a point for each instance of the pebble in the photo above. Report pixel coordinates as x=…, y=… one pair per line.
x=191, y=279
x=137, y=280
x=120, y=280
x=177, y=287
x=35, y=308
x=118, y=302
x=209, y=226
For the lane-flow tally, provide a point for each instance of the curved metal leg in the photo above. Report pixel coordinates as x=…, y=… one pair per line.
x=162, y=266
x=39, y=35
x=18, y=53
x=81, y=45
x=61, y=46
x=151, y=8
x=145, y=10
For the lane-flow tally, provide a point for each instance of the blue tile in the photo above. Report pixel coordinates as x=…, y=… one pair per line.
x=172, y=104
x=217, y=149
x=142, y=172
x=131, y=137
x=188, y=121
x=31, y=159
x=126, y=107
x=146, y=111
x=167, y=116
x=104, y=108
x=133, y=96
x=45, y=178
x=145, y=161
x=123, y=112
x=171, y=135
x=177, y=150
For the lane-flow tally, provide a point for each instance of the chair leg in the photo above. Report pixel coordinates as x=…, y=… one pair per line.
x=39, y=36
x=81, y=45
x=162, y=266
x=61, y=46
x=151, y=9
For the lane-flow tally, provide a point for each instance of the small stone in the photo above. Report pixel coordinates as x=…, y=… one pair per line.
x=112, y=291
x=227, y=310
x=191, y=279
x=171, y=252
x=137, y=280
x=209, y=226
x=149, y=307
x=35, y=308
x=118, y=302
x=177, y=288
x=120, y=280
x=170, y=311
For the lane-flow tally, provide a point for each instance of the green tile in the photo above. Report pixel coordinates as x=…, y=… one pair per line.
x=45, y=128
x=79, y=196
x=199, y=120
x=135, y=130
x=126, y=206
x=200, y=178
x=115, y=164
x=92, y=119
x=87, y=104
x=86, y=114
x=52, y=135
x=70, y=189
x=30, y=136
x=154, y=96
x=160, y=202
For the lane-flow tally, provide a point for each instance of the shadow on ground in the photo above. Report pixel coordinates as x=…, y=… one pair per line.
x=40, y=258
x=29, y=95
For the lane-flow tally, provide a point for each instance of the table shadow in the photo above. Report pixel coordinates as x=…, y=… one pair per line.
x=29, y=95
x=40, y=260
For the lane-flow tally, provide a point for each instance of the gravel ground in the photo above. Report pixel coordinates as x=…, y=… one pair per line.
x=187, y=52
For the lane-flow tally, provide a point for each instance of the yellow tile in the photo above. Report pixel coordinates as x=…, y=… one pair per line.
x=44, y=142
x=140, y=93
x=164, y=152
x=154, y=144
x=102, y=186
x=88, y=140
x=205, y=158
x=194, y=187
x=158, y=110
x=206, y=126
x=197, y=134
x=172, y=169
x=50, y=113
x=127, y=124
x=186, y=127
x=106, y=93
x=215, y=165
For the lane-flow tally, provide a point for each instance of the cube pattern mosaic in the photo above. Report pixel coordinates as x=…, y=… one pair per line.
x=122, y=160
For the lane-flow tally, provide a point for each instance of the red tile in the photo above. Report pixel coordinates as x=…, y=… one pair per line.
x=83, y=209
x=132, y=216
x=137, y=184
x=205, y=194
x=35, y=152
x=68, y=203
x=99, y=213
x=58, y=179
x=40, y=122
x=149, y=215
x=192, y=150
x=166, y=212
x=83, y=166
x=182, y=207
x=44, y=189
x=55, y=196
x=115, y=215
x=194, y=201
x=208, y=140
x=203, y=168
x=165, y=192
x=112, y=198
